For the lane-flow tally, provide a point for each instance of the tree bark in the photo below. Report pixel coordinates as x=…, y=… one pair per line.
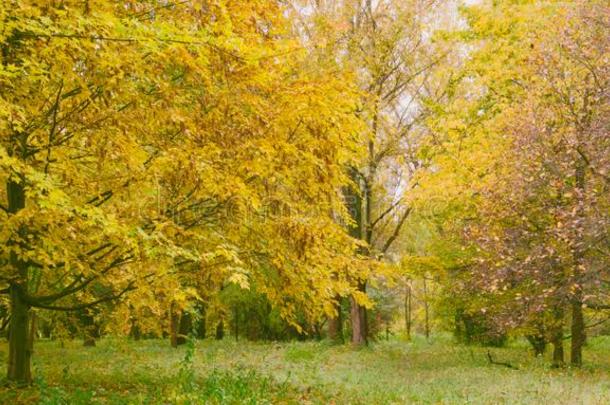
x=558, y=358
x=335, y=323
x=20, y=350
x=220, y=330
x=236, y=323
x=359, y=320
x=33, y=330
x=19, y=363
x=90, y=331
x=578, y=334
x=538, y=343
x=135, y=332
x=185, y=327
x=408, y=309
x=357, y=326
x=557, y=340
x=174, y=320
x=357, y=230
x=426, y=311
x=578, y=324
x=201, y=326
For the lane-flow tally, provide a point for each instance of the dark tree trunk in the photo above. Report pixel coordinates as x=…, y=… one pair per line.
x=408, y=309
x=236, y=323
x=557, y=339
x=317, y=331
x=558, y=357
x=135, y=332
x=578, y=323
x=578, y=334
x=20, y=347
x=538, y=343
x=185, y=326
x=426, y=311
x=90, y=329
x=469, y=328
x=174, y=320
x=335, y=323
x=33, y=330
x=220, y=330
x=201, y=326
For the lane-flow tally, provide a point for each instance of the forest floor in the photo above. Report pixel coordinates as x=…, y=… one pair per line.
x=438, y=372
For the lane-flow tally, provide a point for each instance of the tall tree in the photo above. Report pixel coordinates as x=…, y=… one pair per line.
x=523, y=150
x=146, y=146
x=387, y=44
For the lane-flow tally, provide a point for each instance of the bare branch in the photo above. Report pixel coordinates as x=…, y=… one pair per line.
x=386, y=212
x=107, y=298
x=74, y=287
x=396, y=232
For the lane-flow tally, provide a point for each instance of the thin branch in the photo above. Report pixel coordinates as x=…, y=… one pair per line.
x=593, y=169
x=500, y=363
x=53, y=126
x=74, y=287
x=110, y=297
x=597, y=323
x=386, y=212
x=396, y=232
x=132, y=40
x=5, y=323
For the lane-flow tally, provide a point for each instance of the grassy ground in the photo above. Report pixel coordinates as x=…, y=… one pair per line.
x=440, y=372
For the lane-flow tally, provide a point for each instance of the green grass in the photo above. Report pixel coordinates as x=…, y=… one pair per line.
x=118, y=371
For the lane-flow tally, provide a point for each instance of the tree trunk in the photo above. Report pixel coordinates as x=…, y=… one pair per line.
x=185, y=326
x=201, y=326
x=173, y=326
x=558, y=360
x=578, y=334
x=353, y=201
x=33, y=330
x=220, y=330
x=408, y=309
x=317, y=331
x=538, y=343
x=557, y=340
x=335, y=323
x=578, y=324
x=135, y=332
x=357, y=326
x=236, y=323
x=426, y=311
x=359, y=319
x=20, y=347
x=90, y=330
x=20, y=352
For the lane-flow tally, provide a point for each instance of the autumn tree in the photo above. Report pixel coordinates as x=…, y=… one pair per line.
x=522, y=164
x=386, y=44
x=148, y=146
x=554, y=221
